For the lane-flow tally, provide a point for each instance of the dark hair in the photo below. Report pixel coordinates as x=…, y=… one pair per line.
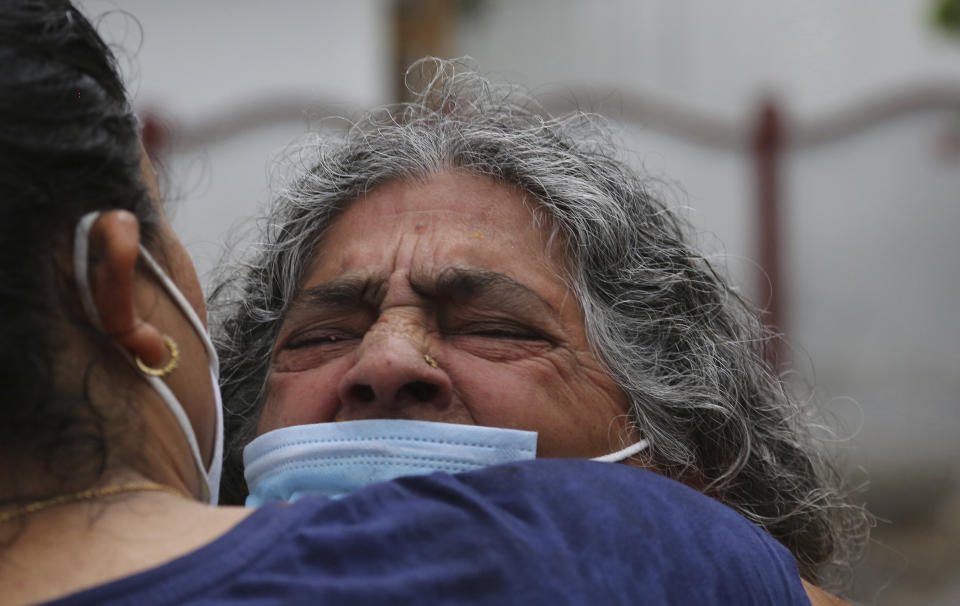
x=68, y=146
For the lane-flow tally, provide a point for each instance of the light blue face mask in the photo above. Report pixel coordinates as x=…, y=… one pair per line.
x=334, y=459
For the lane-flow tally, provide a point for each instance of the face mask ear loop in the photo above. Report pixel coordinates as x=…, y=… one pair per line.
x=626, y=453
x=212, y=473
x=184, y=305
x=186, y=428
x=81, y=252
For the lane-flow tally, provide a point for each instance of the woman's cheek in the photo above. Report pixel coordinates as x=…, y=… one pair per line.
x=298, y=398
x=497, y=394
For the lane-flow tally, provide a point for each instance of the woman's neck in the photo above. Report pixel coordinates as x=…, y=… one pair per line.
x=73, y=546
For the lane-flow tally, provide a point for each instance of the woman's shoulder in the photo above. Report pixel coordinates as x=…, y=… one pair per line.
x=540, y=532
x=611, y=533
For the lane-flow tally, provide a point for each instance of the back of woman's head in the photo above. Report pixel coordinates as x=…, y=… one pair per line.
x=68, y=146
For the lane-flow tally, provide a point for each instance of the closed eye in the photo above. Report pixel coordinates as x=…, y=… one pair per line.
x=317, y=341
x=499, y=332
x=498, y=341
x=502, y=334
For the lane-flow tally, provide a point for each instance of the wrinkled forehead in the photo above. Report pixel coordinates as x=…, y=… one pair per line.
x=451, y=218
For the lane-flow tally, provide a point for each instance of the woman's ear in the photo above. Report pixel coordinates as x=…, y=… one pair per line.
x=115, y=243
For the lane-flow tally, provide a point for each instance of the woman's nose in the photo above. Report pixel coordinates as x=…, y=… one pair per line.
x=394, y=377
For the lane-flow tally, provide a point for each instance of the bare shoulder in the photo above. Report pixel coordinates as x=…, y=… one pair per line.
x=819, y=597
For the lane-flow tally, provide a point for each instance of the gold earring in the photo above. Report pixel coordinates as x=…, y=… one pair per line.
x=429, y=360
x=169, y=367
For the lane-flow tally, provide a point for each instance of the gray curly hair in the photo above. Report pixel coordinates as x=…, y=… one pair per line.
x=686, y=349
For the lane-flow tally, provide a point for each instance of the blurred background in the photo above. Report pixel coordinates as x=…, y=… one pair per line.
x=815, y=145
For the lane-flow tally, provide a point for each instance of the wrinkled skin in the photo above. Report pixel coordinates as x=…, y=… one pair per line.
x=439, y=300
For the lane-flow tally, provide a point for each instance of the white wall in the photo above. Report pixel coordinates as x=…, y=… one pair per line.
x=197, y=59
x=716, y=56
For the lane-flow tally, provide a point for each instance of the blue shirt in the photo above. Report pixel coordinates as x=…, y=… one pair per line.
x=537, y=532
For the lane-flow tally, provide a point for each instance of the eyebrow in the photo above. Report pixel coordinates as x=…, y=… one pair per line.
x=460, y=285
x=345, y=291
x=453, y=285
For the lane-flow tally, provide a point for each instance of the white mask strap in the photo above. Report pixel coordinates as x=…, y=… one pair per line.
x=81, y=249
x=81, y=252
x=212, y=473
x=625, y=453
x=184, y=306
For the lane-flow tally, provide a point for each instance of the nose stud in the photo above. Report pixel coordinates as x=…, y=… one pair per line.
x=429, y=360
